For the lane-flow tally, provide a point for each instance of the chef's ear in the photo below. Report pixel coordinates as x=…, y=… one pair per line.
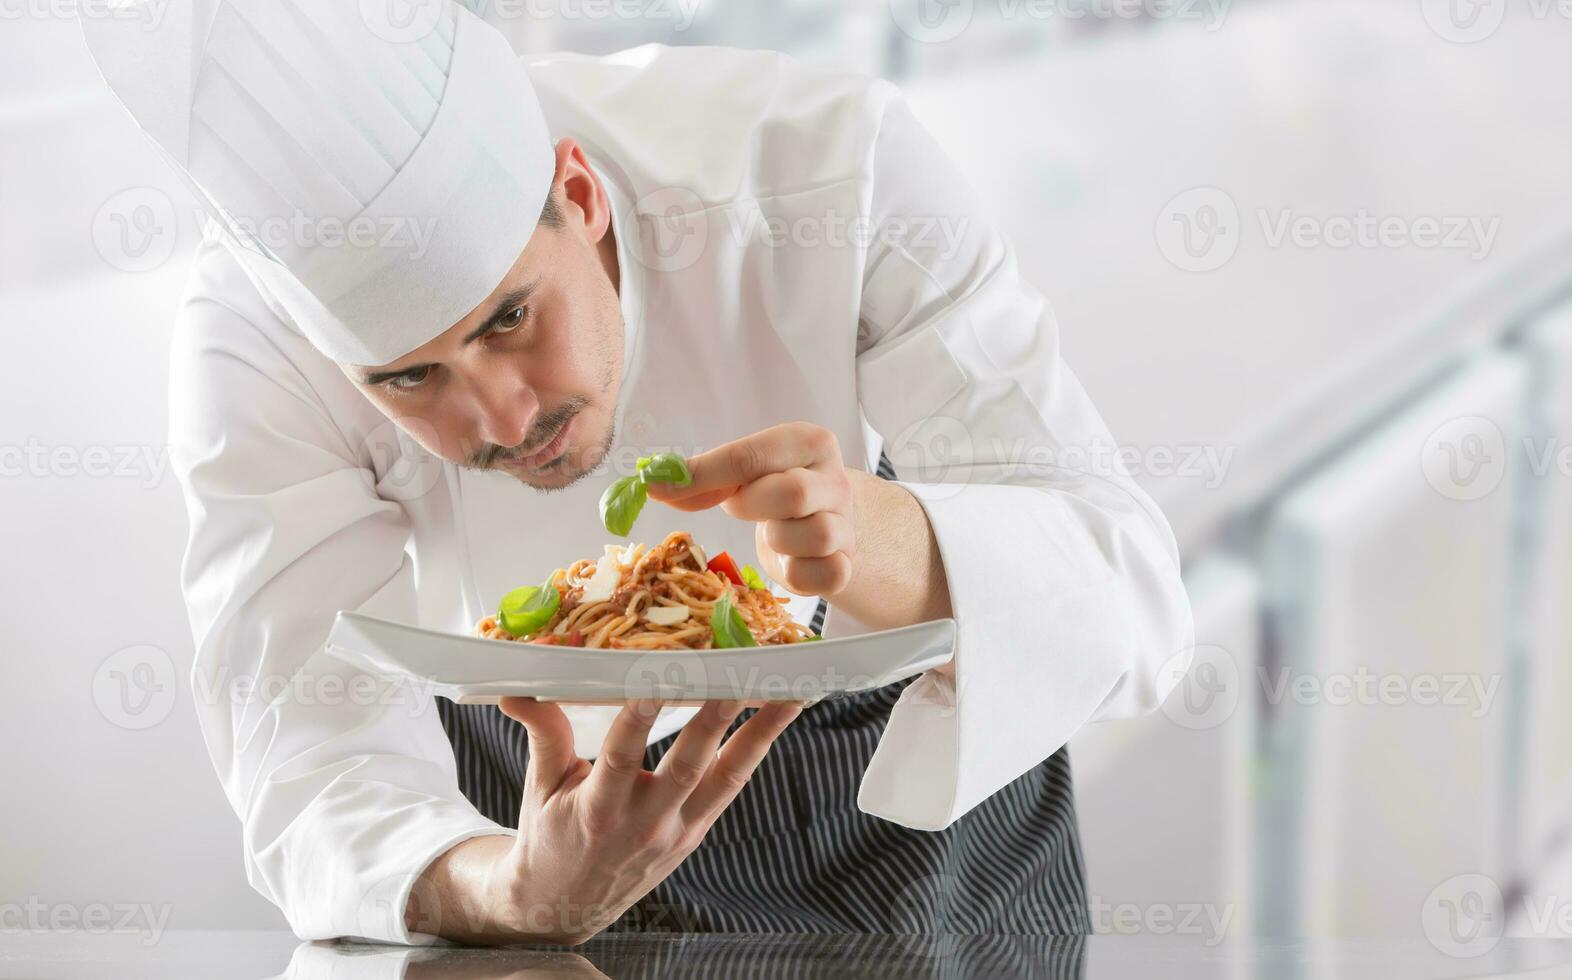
x=580, y=200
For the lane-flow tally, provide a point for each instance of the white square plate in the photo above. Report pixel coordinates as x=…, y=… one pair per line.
x=475, y=670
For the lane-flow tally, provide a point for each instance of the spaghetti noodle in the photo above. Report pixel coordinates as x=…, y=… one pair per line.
x=663, y=599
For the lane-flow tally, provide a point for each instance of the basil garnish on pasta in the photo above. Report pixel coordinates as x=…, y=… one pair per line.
x=728, y=627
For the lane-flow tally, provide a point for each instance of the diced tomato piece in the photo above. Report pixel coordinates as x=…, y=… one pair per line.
x=723, y=564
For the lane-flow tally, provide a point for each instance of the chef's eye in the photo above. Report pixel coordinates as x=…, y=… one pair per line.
x=410, y=379
x=509, y=321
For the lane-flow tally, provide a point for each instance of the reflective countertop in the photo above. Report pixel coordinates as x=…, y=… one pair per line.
x=176, y=955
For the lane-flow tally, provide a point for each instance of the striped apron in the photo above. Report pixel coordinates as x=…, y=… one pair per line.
x=793, y=854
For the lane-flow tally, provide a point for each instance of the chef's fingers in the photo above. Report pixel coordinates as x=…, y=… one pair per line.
x=827, y=577
x=741, y=461
x=736, y=761
x=551, y=755
x=795, y=493
x=819, y=536
x=703, y=501
x=691, y=756
x=621, y=761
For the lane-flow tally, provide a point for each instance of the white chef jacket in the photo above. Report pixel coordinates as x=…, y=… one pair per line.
x=729, y=173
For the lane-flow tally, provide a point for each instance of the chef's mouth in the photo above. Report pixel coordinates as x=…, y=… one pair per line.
x=541, y=452
x=546, y=454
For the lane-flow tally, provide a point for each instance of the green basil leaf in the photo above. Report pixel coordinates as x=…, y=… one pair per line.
x=752, y=579
x=621, y=503
x=728, y=627
x=665, y=468
x=811, y=637
x=525, y=611
x=720, y=623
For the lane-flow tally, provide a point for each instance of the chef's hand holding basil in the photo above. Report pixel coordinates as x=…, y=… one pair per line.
x=594, y=838
x=789, y=479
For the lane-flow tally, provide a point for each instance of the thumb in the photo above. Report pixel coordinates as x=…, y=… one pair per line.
x=551, y=755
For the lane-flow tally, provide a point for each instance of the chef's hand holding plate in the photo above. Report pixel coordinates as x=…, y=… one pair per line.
x=596, y=837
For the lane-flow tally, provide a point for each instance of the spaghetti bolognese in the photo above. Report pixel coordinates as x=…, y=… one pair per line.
x=667, y=597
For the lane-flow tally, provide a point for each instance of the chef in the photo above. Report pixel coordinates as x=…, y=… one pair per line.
x=446, y=298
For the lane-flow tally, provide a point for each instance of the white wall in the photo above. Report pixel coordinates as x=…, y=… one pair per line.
x=105, y=803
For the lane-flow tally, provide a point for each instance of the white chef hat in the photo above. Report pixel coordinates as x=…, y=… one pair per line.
x=377, y=175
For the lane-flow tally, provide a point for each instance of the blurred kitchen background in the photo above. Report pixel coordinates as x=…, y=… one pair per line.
x=1309, y=257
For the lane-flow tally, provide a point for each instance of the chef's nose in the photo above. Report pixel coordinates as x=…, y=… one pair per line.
x=505, y=409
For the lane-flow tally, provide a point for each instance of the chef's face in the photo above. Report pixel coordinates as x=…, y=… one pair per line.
x=526, y=384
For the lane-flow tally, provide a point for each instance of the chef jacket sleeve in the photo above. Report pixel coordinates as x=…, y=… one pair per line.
x=345, y=785
x=1063, y=575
